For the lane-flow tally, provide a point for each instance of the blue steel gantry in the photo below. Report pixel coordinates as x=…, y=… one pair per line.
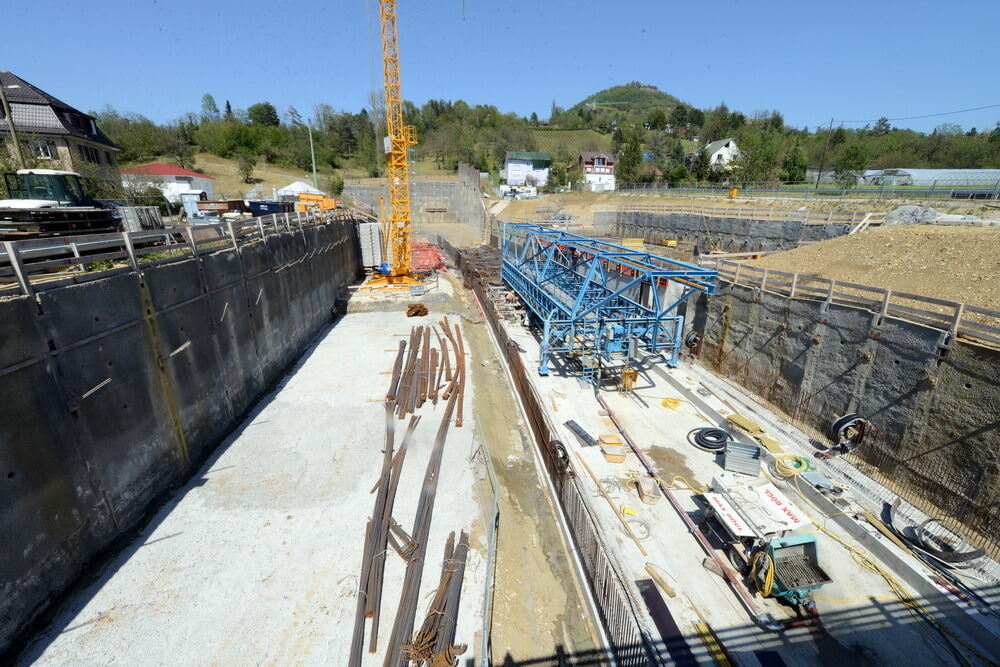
x=598, y=301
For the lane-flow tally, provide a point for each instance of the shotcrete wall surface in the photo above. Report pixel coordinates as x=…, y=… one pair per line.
x=112, y=390
x=932, y=397
x=724, y=233
x=433, y=202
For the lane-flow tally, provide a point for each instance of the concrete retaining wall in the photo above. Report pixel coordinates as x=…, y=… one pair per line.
x=728, y=234
x=112, y=391
x=433, y=202
x=933, y=398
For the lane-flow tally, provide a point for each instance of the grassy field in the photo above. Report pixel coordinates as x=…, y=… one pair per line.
x=228, y=181
x=571, y=141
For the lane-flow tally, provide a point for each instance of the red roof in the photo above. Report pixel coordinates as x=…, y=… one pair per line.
x=163, y=169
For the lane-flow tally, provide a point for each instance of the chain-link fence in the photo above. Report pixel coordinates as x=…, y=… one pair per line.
x=943, y=189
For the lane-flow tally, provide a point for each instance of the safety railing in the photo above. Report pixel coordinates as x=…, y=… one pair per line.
x=943, y=189
x=53, y=261
x=758, y=214
x=961, y=319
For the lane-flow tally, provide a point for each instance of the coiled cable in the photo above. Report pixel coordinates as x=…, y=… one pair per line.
x=709, y=439
x=787, y=466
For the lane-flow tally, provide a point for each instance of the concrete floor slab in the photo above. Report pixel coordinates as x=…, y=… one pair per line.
x=863, y=621
x=256, y=559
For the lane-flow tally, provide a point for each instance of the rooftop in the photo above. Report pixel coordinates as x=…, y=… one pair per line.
x=37, y=112
x=529, y=155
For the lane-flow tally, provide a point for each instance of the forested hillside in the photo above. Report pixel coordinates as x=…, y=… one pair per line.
x=652, y=131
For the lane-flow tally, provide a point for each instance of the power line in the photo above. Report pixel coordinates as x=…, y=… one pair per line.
x=930, y=115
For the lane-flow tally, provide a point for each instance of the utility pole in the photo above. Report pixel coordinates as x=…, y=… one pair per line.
x=822, y=160
x=13, y=131
x=312, y=152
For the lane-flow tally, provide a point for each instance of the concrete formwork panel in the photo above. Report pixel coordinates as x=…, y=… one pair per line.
x=130, y=382
x=81, y=311
x=19, y=331
x=51, y=514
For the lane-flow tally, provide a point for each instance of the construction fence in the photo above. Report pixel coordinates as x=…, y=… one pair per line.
x=630, y=642
x=825, y=191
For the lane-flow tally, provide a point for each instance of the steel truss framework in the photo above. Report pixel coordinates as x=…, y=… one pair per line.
x=598, y=301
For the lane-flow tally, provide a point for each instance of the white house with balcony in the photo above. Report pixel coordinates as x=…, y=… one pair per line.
x=598, y=171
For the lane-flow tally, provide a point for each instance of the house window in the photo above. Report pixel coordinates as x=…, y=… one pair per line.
x=107, y=157
x=89, y=154
x=41, y=149
x=599, y=160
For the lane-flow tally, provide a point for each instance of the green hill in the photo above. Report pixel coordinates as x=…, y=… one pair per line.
x=565, y=145
x=634, y=100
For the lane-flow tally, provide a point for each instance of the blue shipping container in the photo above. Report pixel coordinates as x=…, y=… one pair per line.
x=267, y=207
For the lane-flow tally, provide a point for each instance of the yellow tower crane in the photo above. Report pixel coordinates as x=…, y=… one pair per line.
x=396, y=269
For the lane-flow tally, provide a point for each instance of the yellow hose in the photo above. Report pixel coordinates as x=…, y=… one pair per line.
x=768, y=585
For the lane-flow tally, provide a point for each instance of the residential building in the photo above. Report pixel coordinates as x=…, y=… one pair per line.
x=58, y=136
x=170, y=179
x=720, y=153
x=527, y=168
x=598, y=171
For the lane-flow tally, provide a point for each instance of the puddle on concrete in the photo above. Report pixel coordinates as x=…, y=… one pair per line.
x=669, y=463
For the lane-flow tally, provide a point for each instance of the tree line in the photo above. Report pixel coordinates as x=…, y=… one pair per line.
x=653, y=146
x=448, y=133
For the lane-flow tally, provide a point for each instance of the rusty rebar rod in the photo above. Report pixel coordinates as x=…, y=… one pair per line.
x=358, y=640
x=397, y=370
x=378, y=544
x=461, y=374
x=382, y=535
x=402, y=628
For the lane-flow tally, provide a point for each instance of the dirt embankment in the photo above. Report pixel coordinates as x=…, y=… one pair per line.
x=947, y=262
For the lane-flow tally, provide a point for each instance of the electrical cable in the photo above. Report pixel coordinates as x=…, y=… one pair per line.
x=709, y=439
x=929, y=115
x=787, y=466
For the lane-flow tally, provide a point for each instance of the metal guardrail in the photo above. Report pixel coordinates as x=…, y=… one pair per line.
x=761, y=214
x=26, y=263
x=938, y=190
x=960, y=319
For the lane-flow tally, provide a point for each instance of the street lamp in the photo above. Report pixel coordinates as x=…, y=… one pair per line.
x=312, y=152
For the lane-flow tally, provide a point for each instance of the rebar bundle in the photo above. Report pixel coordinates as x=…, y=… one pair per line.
x=402, y=628
x=434, y=644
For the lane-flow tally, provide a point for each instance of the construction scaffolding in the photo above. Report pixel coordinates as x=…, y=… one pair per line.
x=598, y=303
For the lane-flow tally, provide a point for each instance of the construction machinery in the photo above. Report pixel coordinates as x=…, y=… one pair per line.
x=764, y=539
x=598, y=303
x=395, y=269
x=49, y=202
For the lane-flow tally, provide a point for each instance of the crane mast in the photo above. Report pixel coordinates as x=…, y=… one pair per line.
x=400, y=138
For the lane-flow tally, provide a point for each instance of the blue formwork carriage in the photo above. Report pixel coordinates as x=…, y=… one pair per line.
x=598, y=302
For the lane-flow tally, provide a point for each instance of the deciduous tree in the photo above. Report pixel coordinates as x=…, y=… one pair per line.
x=263, y=113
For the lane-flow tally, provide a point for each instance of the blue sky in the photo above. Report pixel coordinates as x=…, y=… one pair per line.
x=812, y=61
